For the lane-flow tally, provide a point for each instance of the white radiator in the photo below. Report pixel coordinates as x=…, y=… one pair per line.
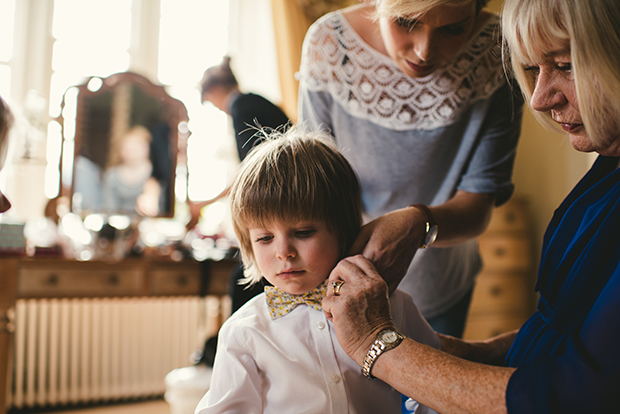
x=83, y=351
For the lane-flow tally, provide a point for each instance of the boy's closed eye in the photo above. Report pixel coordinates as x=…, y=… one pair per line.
x=263, y=239
x=305, y=233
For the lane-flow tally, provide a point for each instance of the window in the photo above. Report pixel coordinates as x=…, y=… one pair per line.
x=59, y=43
x=7, y=13
x=94, y=38
x=193, y=37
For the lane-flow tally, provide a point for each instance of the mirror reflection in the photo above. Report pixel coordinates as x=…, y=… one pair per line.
x=126, y=147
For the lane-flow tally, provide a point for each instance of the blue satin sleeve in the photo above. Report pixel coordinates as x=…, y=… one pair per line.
x=584, y=378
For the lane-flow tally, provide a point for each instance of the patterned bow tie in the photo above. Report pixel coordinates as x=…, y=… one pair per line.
x=280, y=303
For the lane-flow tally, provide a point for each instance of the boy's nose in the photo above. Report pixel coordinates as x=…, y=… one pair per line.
x=286, y=251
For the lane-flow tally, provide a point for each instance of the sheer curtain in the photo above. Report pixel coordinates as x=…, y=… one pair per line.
x=252, y=47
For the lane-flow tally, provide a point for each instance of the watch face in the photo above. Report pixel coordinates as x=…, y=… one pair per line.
x=389, y=337
x=431, y=236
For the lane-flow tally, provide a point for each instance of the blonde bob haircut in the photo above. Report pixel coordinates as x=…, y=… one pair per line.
x=399, y=8
x=294, y=176
x=590, y=31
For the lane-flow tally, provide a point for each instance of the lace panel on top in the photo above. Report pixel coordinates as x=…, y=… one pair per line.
x=371, y=86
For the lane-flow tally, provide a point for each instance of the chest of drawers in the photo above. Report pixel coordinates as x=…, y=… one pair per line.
x=504, y=295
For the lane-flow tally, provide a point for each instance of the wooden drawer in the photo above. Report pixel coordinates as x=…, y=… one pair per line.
x=175, y=279
x=511, y=217
x=219, y=275
x=501, y=253
x=88, y=281
x=480, y=327
x=500, y=293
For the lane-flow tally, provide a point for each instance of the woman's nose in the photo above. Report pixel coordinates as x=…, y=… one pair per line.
x=547, y=94
x=423, y=45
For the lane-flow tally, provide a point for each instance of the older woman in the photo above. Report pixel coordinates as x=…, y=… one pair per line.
x=566, y=55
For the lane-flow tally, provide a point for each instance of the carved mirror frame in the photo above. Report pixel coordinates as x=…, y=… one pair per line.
x=103, y=111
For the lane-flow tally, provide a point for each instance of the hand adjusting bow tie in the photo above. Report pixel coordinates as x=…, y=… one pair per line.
x=280, y=303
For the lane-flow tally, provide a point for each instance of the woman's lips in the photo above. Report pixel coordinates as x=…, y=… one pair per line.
x=569, y=127
x=419, y=68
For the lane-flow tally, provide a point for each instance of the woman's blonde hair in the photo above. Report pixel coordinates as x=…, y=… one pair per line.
x=591, y=31
x=294, y=176
x=397, y=8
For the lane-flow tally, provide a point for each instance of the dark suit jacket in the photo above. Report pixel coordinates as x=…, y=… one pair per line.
x=250, y=111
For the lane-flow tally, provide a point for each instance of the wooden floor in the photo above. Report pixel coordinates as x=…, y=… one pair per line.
x=149, y=407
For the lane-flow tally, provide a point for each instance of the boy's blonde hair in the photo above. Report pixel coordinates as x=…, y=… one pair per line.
x=590, y=30
x=295, y=176
x=398, y=8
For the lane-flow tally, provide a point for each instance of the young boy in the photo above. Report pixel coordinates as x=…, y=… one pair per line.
x=296, y=210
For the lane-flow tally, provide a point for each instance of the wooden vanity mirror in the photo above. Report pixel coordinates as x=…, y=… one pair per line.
x=125, y=132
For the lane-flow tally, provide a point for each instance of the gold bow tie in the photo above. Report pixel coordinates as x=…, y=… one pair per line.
x=280, y=303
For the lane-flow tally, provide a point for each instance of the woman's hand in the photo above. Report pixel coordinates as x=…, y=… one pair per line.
x=390, y=242
x=362, y=308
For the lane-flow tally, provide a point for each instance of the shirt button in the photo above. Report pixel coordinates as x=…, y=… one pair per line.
x=320, y=325
x=335, y=378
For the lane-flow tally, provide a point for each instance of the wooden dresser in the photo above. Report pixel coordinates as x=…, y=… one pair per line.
x=504, y=295
x=51, y=280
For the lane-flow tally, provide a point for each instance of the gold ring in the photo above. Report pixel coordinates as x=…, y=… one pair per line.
x=336, y=286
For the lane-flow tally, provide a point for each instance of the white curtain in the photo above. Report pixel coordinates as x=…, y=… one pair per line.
x=252, y=48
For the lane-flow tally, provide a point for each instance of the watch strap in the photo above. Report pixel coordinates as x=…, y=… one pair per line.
x=377, y=348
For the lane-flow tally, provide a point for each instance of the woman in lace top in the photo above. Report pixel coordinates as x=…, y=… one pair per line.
x=415, y=94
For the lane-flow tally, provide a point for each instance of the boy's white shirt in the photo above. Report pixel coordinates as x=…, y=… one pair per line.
x=295, y=364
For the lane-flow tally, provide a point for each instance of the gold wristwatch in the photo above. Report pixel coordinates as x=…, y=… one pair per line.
x=430, y=232
x=386, y=339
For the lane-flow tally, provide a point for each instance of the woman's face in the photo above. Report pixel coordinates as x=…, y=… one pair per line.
x=421, y=44
x=554, y=92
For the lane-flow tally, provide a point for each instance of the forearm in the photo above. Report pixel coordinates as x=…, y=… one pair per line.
x=492, y=351
x=463, y=217
x=444, y=382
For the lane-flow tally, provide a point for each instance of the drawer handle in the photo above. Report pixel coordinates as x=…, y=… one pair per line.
x=113, y=280
x=500, y=251
x=52, y=280
x=511, y=217
x=182, y=280
x=496, y=291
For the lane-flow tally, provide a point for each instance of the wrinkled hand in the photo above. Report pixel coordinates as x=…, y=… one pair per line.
x=390, y=242
x=362, y=309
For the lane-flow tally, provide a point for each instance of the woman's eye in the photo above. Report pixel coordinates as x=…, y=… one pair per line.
x=454, y=31
x=405, y=23
x=564, y=67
